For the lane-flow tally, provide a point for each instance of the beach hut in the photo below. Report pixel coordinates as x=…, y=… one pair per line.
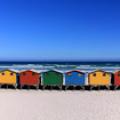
x=29, y=78
x=74, y=78
x=52, y=78
x=99, y=78
x=117, y=78
x=8, y=77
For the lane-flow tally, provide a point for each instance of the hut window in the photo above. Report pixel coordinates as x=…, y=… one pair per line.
x=94, y=74
x=3, y=73
x=104, y=74
x=69, y=74
x=79, y=74
x=33, y=73
x=11, y=73
x=46, y=73
x=24, y=73
x=118, y=74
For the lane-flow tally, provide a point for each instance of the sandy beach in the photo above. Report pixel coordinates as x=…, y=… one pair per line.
x=59, y=105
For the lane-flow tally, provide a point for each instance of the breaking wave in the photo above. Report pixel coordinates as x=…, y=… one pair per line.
x=87, y=67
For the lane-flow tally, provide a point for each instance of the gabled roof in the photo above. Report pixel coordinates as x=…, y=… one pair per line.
x=32, y=70
x=116, y=71
x=75, y=71
x=10, y=70
x=99, y=70
x=54, y=70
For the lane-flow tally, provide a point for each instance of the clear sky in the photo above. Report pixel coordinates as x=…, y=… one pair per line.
x=59, y=29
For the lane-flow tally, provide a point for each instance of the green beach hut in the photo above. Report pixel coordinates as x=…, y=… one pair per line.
x=52, y=78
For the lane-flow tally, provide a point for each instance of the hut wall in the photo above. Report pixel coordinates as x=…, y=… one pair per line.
x=29, y=78
x=74, y=78
x=8, y=77
x=52, y=78
x=117, y=78
x=98, y=78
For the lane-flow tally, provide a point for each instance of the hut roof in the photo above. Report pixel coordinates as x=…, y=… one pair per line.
x=10, y=70
x=116, y=71
x=99, y=70
x=75, y=71
x=32, y=70
x=55, y=70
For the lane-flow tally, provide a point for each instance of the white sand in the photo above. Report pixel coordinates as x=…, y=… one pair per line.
x=55, y=105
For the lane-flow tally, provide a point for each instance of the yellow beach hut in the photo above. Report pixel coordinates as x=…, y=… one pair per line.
x=99, y=78
x=8, y=77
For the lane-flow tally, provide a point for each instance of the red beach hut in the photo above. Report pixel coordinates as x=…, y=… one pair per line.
x=117, y=78
x=29, y=78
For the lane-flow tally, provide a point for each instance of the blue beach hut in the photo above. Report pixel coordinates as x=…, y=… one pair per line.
x=75, y=78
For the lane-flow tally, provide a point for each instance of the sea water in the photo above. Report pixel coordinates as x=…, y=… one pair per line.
x=61, y=65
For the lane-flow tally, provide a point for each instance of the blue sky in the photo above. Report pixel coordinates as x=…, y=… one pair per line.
x=59, y=30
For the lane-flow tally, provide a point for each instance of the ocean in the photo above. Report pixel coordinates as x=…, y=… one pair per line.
x=61, y=65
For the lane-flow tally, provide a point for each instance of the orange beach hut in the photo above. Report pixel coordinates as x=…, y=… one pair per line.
x=8, y=77
x=99, y=78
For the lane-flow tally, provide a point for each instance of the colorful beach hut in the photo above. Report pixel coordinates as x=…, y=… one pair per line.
x=52, y=78
x=99, y=78
x=8, y=77
x=29, y=78
x=117, y=78
x=74, y=78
